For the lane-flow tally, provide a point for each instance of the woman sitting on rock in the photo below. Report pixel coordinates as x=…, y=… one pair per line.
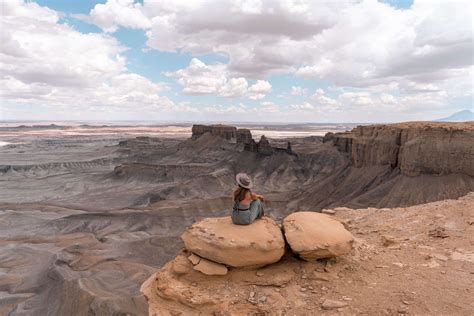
x=247, y=205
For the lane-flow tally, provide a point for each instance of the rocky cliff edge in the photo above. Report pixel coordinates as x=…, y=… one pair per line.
x=414, y=260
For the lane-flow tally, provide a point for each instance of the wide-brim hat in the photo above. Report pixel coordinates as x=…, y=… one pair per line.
x=244, y=180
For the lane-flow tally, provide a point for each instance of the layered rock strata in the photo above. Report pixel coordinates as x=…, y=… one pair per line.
x=225, y=131
x=241, y=136
x=414, y=147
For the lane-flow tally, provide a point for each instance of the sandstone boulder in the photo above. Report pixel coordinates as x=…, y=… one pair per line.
x=210, y=268
x=315, y=235
x=219, y=240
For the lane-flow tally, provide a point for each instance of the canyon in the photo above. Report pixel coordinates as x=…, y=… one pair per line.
x=86, y=219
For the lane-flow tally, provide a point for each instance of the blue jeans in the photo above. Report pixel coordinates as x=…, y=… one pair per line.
x=247, y=217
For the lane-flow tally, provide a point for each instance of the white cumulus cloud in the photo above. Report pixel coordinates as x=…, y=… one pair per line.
x=47, y=63
x=200, y=79
x=115, y=13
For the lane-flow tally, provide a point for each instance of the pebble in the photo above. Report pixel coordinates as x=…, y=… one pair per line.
x=402, y=309
x=432, y=264
x=332, y=304
x=252, y=301
x=262, y=299
x=304, y=277
x=330, y=212
x=260, y=274
x=310, y=287
x=324, y=288
x=303, y=289
x=440, y=257
x=319, y=276
x=399, y=264
x=252, y=294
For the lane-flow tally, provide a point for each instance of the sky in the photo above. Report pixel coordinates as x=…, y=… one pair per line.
x=228, y=60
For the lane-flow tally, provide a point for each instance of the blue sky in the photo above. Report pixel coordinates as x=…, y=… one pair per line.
x=254, y=60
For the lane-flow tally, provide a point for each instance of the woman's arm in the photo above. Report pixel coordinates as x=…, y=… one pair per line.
x=257, y=196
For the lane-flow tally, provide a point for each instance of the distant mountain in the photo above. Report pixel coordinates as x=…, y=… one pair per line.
x=460, y=116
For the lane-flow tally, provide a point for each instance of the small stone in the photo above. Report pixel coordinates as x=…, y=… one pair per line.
x=194, y=259
x=260, y=274
x=432, y=264
x=277, y=290
x=438, y=232
x=310, y=287
x=342, y=209
x=303, y=289
x=381, y=266
x=252, y=294
x=252, y=301
x=388, y=240
x=262, y=299
x=330, y=212
x=324, y=288
x=181, y=265
x=399, y=264
x=439, y=257
x=345, y=298
x=406, y=302
x=332, y=304
x=210, y=267
x=304, y=277
x=319, y=276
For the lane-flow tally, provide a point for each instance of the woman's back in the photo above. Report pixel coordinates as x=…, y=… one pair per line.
x=244, y=198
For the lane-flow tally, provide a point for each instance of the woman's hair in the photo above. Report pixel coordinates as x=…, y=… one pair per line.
x=240, y=194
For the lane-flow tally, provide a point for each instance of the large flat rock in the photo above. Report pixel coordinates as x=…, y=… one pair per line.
x=314, y=235
x=219, y=240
